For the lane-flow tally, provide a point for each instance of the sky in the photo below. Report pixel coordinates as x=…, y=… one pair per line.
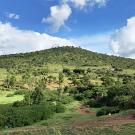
x=104, y=26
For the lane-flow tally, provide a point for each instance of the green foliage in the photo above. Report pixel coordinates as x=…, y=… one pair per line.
x=60, y=108
x=42, y=83
x=61, y=78
x=66, y=99
x=107, y=110
x=121, y=95
x=34, y=97
x=10, y=81
x=23, y=116
x=108, y=81
x=20, y=92
x=37, y=96
x=93, y=103
x=67, y=71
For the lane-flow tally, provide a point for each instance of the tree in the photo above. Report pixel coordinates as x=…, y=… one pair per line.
x=28, y=99
x=107, y=81
x=37, y=96
x=99, y=92
x=42, y=83
x=10, y=81
x=61, y=78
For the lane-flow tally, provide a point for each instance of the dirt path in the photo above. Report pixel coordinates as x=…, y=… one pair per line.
x=109, y=121
x=84, y=110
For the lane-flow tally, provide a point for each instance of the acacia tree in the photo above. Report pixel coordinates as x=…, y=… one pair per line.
x=61, y=78
x=10, y=81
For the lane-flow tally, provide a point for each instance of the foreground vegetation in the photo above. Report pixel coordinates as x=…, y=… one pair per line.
x=55, y=87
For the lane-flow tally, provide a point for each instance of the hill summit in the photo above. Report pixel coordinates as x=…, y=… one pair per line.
x=66, y=56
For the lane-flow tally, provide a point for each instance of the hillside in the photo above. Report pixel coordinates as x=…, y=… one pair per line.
x=64, y=56
x=66, y=91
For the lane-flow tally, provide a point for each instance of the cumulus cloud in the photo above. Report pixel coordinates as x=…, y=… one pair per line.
x=13, y=16
x=14, y=40
x=123, y=40
x=83, y=3
x=59, y=14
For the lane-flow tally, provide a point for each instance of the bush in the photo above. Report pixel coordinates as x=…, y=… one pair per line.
x=123, y=101
x=60, y=108
x=94, y=103
x=25, y=115
x=10, y=95
x=108, y=110
x=66, y=71
x=79, y=71
x=18, y=104
x=2, y=120
x=66, y=99
x=20, y=92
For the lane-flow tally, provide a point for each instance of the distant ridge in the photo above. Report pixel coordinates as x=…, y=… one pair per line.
x=64, y=55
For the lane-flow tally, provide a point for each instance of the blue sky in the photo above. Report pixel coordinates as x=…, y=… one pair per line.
x=89, y=25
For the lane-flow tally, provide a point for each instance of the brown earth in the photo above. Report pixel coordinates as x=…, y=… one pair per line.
x=109, y=121
x=84, y=110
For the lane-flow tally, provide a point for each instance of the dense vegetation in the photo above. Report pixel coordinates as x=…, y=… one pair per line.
x=63, y=55
x=50, y=80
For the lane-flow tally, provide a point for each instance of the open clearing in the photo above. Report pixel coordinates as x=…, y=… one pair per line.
x=7, y=97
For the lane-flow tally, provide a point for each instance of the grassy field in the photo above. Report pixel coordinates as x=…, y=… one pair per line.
x=71, y=114
x=7, y=97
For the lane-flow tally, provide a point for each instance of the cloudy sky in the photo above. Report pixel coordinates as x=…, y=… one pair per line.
x=105, y=26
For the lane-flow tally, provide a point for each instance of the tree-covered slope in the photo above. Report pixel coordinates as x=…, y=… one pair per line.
x=66, y=56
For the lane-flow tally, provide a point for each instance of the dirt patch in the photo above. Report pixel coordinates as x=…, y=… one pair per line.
x=109, y=121
x=84, y=110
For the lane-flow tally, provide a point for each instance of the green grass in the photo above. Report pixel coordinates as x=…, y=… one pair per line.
x=4, y=99
x=67, y=118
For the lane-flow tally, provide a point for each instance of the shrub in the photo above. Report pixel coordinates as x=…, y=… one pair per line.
x=79, y=71
x=94, y=103
x=20, y=92
x=10, y=95
x=107, y=110
x=60, y=108
x=25, y=115
x=2, y=120
x=66, y=99
x=66, y=71
x=18, y=104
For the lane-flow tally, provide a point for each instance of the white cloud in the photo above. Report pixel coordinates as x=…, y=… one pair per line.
x=13, y=16
x=123, y=40
x=96, y=43
x=59, y=14
x=14, y=40
x=79, y=3
x=83, y=3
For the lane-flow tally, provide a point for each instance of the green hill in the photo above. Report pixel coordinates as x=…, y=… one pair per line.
x=66, y=91
x=65, y=56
